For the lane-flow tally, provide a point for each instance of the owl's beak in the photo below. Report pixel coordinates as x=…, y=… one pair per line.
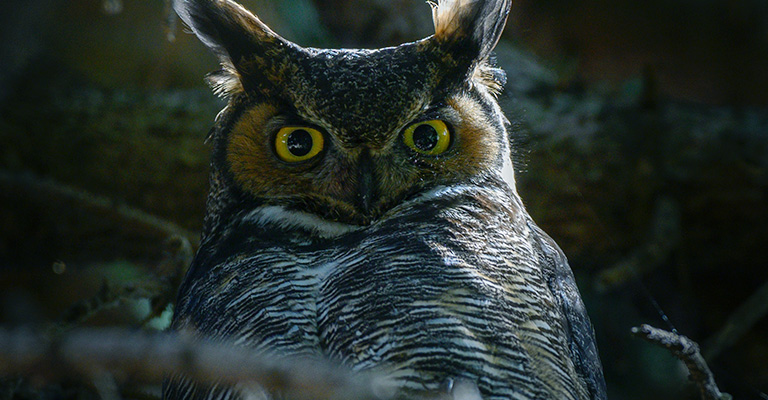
x=367, y=188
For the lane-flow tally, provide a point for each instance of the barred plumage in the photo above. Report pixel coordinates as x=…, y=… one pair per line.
x=380, y=252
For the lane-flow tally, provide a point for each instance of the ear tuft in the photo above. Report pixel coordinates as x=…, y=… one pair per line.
x=233, y=34
x=474, y=24
x=227, y=28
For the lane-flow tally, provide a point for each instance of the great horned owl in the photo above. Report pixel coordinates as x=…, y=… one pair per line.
x=363, y=209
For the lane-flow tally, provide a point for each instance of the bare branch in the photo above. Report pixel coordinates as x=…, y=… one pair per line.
x=27, y=182
x=148, y=358
x=688, y=352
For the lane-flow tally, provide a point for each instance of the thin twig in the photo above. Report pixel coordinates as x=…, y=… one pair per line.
x=738, y=323
x=148, y=358
x=688, y=352
x=28, y=182
x=663, y=239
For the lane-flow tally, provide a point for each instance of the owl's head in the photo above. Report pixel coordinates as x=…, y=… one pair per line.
x=348, y=134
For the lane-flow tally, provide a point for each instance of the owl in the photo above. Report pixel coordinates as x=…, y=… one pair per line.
x=363, y=209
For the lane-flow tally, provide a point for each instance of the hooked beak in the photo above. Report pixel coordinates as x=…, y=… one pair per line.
x=367, y=190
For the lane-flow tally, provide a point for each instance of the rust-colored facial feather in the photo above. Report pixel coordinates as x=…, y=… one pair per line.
x=330, y=183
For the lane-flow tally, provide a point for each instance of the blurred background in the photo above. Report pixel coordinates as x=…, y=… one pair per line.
x=641, y=147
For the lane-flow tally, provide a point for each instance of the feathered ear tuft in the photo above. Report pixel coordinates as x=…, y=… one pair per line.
x=234, y=35
x=472, y=25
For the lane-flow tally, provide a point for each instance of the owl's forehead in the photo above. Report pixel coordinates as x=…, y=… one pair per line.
x=363, y=94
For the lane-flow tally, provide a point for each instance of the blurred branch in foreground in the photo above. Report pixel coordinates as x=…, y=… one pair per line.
x=149, y=358
x=688, y=352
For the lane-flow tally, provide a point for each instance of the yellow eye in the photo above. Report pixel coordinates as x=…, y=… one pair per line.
x=298, y=143
x=428, y=137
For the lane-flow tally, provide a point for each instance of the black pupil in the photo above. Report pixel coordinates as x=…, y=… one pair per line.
x=299, y=142
x=425, y=137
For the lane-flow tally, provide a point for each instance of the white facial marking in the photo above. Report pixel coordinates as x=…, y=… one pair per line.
x=298, y=219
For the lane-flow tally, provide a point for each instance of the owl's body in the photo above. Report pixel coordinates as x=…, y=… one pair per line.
x=389, y=248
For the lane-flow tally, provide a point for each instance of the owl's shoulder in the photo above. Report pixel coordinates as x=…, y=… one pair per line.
x=578, y=327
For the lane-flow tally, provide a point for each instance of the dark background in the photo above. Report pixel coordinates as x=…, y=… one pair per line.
x=641, y=147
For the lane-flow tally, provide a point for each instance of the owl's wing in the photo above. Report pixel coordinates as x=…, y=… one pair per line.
x=581, y=335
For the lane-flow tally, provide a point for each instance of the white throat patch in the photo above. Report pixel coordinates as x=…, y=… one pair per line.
x=284, y=218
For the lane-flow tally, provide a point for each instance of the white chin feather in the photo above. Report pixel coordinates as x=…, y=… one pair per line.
x=284, y=218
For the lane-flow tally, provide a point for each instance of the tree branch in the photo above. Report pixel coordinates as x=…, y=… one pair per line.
x=688, y=352
x=27, y=182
